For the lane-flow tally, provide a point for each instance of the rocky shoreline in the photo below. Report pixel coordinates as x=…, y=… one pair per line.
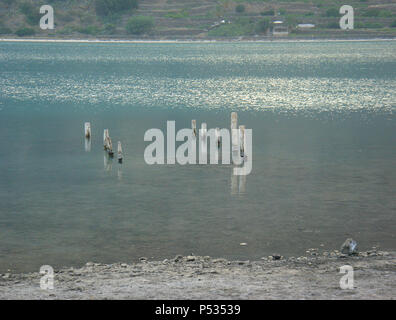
x=315, y=276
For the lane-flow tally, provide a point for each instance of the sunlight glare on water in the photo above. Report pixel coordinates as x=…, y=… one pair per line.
x=324, y=156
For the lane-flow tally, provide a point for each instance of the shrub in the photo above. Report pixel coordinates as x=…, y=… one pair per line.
x=5, y=30
x=244, y=21
x=241, y=27
x=108, y=7
x=31, y=12
x=92, y=30
x=26, y=7
x=393, y=25
x=66, y=30
x=109, y=28
x=178, y=15
x=385, y=14
x=25, y=32
x=368, y=25
x=262, y=26
x=229, y=30
x=333, y=12
x=268, y=13
x=333, y=25
x=65, y=17
x=140, y=25
x=240, y=8
x=372, y=13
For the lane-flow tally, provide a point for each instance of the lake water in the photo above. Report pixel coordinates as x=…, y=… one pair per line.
x=324, y=150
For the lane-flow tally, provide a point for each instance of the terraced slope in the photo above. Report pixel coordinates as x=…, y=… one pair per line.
x=200, y=18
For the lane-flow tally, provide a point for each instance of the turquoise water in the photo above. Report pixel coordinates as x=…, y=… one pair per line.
x=324, y=155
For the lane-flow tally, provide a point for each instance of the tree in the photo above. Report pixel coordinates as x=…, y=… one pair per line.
x=31, y=13
x=268, y=13
x=240, y=8
x=108, y=7
x=140, y=25
x=262, y=25
x=333, y=25
x=333, y=12
x=372, y=13
x=25, y=32
x=4, y=29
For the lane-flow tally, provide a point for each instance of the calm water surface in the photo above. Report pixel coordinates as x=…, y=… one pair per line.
x=324, y=150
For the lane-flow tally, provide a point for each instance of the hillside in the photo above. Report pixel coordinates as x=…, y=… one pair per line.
x=195, y=19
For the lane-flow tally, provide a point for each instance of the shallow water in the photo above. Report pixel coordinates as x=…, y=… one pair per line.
x=324, y=156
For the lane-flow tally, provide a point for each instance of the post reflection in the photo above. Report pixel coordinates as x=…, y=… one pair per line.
x=119, y=172
x=238, y=183
x=108, y=162
x=87, y=145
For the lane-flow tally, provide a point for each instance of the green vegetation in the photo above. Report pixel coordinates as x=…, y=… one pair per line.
x=368, y=25
x=140, y=25
x=333, y=25
x=377, y=13
x=332, y=12
x=268, y=13
x=109, y=28
x=178, y=14
x=66, y=30
x=262, y=25
x=91, y=30
x=108, y=7
x=31, y=12
x=25, y=31
x=371, y=13
x=240, y=8
x=242, y=26
x=5, y=30
x=194, y=18
x=239, y=28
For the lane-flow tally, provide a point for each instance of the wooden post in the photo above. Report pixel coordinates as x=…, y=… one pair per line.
x=108, y=146
x=218, y=141
x=119, y=152
x=105, y=135
x=234, y=131
x=203, y=147
x=242, y=140
x=87, y=129
x=194, y=127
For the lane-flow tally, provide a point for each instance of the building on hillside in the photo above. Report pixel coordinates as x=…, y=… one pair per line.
x=279, y=28
x=305, y=26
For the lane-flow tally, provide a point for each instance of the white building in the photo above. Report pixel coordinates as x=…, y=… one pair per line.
x=279, y=29
x=305, y=26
